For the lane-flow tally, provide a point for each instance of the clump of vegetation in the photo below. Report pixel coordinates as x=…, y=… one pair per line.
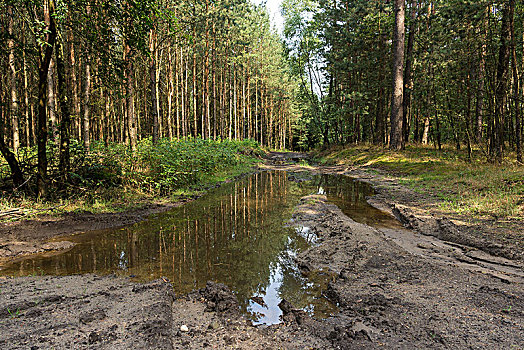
x=112, y=177
x=474, y=187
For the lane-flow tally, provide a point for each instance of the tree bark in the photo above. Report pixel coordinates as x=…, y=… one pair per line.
x=497, y=147
x=381, y=99
x=480, y=77
x=516, y=88
x=51, y=100
x=408, y=74
x=28, y=110
x=65, y=109
x=130, y=100
x=396, y=139
x=87, y=105
x=9, y=156
x=15, y=110
x=153, y=84
x=45, y=59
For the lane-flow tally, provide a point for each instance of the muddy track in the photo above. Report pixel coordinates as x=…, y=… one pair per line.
x=412, y=287
x=426, y=235
x=91, y=312
x=418, y=213
x=395, y=296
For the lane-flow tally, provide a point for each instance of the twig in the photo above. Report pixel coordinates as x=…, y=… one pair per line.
x=49, y=209
x=22, y=185
x=16, y=211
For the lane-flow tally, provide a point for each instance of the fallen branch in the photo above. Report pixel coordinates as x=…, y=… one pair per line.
x=16, y=211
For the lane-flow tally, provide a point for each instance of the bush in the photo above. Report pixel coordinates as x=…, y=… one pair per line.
x=166, y=166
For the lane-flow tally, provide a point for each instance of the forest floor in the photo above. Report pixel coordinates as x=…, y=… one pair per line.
x=442, y=282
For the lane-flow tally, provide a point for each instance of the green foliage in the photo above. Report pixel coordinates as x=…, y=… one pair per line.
x=475, y=189
x=164, y=167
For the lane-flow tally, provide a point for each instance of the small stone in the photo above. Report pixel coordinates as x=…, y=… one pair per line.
x=94, y=337
x=184, y=328
x=214, y=325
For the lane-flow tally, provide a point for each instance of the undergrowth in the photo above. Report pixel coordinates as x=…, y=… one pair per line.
x=113, y=178
x=472, y=188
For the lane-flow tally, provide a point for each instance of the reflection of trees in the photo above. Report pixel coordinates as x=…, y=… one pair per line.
x=235, y=234
x=350, y=196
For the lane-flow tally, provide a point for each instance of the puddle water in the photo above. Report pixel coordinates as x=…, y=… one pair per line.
x=350, y=196
x=235, y=234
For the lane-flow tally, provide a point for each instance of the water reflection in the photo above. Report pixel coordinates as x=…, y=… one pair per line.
x=351, y=196
x=235, y=234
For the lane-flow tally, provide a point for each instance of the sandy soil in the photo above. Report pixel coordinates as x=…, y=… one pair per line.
x=91, y=312
x=409, y=299
x=435, y=285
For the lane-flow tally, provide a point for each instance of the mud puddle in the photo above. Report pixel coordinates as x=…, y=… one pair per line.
x=238, y=235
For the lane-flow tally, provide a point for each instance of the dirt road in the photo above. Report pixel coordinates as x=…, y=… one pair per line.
x=434, y=285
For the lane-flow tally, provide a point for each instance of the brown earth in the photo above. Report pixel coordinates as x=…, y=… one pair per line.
x=401, y=295
x=437, y=284
x=91, y=312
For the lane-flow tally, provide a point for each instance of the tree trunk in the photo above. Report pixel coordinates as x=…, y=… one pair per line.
x=45, y=59
x=408, y=74
x=195, y=98
x=65, y=109
x=15, y=117
x=74, y=81
x=16, y=173
x=130, y=100
x=30, y=131
x=153, y=84
x=516, y=90
x=380, y=114
x=497, y=147
x=9, y=156
x=87, y=105
x=51, y=100
x=480, y=77
x=396, y=139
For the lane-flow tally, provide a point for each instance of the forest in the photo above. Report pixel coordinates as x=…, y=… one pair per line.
x=82, y=80
x=453, y=68
x=77, y=74
x=261, y=174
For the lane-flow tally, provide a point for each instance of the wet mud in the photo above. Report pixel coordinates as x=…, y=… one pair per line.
x=400, y=299
x=409, y=280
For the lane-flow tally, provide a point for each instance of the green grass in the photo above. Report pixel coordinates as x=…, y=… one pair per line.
x=477, y=188
x=114, y=179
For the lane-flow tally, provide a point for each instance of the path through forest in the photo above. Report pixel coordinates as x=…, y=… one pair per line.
x=426, y=283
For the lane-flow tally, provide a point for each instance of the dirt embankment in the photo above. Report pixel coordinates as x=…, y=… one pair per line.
x=393, y=298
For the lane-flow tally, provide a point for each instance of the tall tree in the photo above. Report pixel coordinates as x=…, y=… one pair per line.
x=396, y=137
x=15, y=118
x=46, y=54
x=497, y=141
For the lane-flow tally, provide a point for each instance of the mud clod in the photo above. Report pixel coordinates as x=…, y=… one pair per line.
x=96, y=315
x=219, y=298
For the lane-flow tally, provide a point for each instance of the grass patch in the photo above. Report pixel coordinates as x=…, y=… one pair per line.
x=113, y=179
x=475, y=188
